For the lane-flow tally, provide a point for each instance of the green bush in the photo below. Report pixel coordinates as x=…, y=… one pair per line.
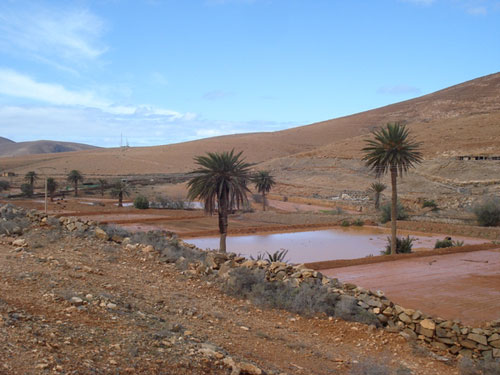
x=488, y=212
x=386, y=212
x=4, y=185
x=141, y=202
x=431, y=204
x=441, y=244
x=358, y=223
x=345, y=223
x=403, y=245
x=277, y=256
x=27, y=190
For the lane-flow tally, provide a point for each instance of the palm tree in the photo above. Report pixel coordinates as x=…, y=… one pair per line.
x=31, y=177
x=51, y=187
x=263, y=183
x=119, y=190
x=377, y=188
x=392, y=151
x=221, y=182
x=75, y=177
x=103, y=184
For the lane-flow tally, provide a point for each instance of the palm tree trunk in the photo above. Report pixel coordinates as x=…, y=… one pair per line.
x=394, y=209
x=223, y=224
x=120, y=199
x=263, y=201
x=76, y=189
x=377, y=201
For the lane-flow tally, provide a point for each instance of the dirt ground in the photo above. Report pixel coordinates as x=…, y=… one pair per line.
x=133, y=314
x=464, y=286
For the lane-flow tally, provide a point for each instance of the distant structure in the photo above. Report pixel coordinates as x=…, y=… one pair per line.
x=8, y=174
x=478, y=157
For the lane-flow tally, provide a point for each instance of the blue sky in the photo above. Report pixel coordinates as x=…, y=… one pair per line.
x=166, y=71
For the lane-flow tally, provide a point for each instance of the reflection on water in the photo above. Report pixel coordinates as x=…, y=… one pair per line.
x=313, y=246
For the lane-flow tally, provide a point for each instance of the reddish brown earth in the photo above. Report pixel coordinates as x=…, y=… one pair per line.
x=139, y=316
x=463, y=286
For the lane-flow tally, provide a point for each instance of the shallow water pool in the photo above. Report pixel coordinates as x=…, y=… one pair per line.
x=319, y=245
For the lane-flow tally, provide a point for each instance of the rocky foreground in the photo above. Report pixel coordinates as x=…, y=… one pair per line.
x=75, y=299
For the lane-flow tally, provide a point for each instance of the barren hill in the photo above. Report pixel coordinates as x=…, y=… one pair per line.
x=11, y=148
x=459, y=119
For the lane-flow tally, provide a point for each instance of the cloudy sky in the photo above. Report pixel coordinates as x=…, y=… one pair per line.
x=165, y=71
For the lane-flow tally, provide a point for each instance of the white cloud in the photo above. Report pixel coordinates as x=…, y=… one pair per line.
x=22, y=86
x=100, y=128
x=14, y=84
x=51, y=34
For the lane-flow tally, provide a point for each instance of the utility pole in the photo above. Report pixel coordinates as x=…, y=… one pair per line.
x=46, y=178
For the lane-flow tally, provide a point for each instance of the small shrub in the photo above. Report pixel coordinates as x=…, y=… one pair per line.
x=488, y=212
x=448, y=242
x=27, y=190
x=162, y=201
x=386, y=212
x=358, y=223
x=403, y=245
x=431, y=204
x=141, y=202
x=306, y=299
x=277, y=256
x=345, y=223
x=4, y=185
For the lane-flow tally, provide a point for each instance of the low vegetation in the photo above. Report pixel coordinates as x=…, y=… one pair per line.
x=430, y=204
x=141, y=202
x=27, y=190
x=306, y=299
x=404, y=245
x=277, y=256
x=488, y=212
x=4, y=185
x=386, y=210
x=447, y=242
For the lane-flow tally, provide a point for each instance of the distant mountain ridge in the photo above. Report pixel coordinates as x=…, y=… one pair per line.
x=11, y=148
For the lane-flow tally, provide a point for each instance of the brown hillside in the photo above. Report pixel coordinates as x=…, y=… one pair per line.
x=460, y=119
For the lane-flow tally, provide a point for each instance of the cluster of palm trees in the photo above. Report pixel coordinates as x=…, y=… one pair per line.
x=221, y=179
x=74, y=177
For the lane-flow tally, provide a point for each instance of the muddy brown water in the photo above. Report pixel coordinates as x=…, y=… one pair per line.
x=319, y=245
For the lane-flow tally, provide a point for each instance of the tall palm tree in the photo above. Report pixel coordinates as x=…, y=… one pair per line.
x=392, y=151
x=31, y=177
x=51, y=187
x=119, y=190
x=377, y=188
x=221, y=182
x=263, y=183
x=75, y=177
